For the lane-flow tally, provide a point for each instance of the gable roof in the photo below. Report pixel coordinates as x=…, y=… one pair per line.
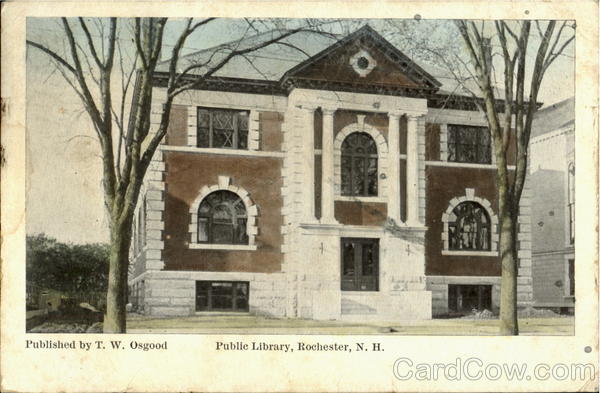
x=367, y=36
x=277, y=68
x=553, y=117
x=265, y=64
x=282, y=61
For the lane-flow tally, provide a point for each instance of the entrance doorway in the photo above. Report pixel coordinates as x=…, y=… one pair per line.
x=360, y=264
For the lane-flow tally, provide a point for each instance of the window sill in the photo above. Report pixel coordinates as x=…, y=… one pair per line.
x=470, y=253
x=227, y=247
x=347, y=198
x=222, y=151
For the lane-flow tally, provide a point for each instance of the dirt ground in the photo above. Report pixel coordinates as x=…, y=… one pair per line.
x=248, y=324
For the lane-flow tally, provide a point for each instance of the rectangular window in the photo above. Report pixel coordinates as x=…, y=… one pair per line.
x=222, y=295
x=571, y=277
x=222, y=128
x=469, y=144
x=571, y=202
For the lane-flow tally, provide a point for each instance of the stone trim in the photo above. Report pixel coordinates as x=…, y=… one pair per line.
x=254, y=131
x=225, y=152
x=228, y=100
x=231, y=247
x=450, y=164
x=349, y=198
x=464, y=280
x=470, y=253
x=225, y=185
x=444, y=142
x=421, y=163
x=363, y=72
x=192, y=132
x=155, y=210
x=382, y=154
x=449, y=216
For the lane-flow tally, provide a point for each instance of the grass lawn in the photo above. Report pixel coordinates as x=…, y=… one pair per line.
x=248, y=324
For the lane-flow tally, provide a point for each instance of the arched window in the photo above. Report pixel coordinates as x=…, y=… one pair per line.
x=222, y=219
x=469, y=227
x=359, y=165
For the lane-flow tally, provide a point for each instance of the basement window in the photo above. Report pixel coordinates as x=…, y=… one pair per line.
x=466, y=298
x=222, y=296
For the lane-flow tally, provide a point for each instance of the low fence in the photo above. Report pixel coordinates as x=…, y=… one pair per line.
x=39, y=298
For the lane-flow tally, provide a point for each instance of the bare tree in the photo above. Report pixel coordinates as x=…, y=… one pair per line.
x=510, y=123
x=89, y=66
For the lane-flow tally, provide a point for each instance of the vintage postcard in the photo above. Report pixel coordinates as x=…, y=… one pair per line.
x=307, y=196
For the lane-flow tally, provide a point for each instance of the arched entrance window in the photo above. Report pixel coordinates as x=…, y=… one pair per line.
x=222, y=219
x=359, y=165
x=469, y=228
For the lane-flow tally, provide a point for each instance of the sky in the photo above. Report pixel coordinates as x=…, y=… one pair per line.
x=64, y=198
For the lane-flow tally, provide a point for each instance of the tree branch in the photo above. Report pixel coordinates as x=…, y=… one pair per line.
x=90, y=42
x=138, y=44
x=237, y=52
x=53, y=55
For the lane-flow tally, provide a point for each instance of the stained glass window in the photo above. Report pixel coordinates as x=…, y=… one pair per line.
x=469, y=144
x=222, y=219
x=469, y=228
x=359, y=165
x=222, y=128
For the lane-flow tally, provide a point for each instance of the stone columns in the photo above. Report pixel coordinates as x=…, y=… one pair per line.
x=394, y=167
x=308, y=144
x=327, y=179
x=412, y=171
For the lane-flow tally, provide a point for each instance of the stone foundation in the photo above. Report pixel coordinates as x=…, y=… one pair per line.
x=169, y=293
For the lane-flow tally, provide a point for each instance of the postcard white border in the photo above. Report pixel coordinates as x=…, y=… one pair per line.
x=191, y=362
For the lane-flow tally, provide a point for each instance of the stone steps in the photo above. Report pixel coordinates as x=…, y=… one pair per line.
x=351, y=307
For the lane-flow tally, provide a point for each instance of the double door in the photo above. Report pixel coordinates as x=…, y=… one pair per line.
x=360, y=264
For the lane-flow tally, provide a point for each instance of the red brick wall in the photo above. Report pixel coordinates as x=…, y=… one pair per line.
x=270, y=131
x=432, y=142
x=177, y=130
x=360, y=213
x=336, y=67
x=186, y=174
x=443, y=184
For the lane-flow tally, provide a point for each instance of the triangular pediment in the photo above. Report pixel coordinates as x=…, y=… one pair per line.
x=363, y=58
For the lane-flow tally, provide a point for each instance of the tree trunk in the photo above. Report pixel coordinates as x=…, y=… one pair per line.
x=508, y=290
x=116, y=299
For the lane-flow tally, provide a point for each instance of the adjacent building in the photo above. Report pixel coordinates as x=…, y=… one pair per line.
x=552, y=176
x=348, y=184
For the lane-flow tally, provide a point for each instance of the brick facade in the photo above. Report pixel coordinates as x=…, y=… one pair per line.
x=290, y=177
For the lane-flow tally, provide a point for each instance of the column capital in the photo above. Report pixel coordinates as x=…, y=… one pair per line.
x=328, y=110
x=395, y=114
x=414, y=115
